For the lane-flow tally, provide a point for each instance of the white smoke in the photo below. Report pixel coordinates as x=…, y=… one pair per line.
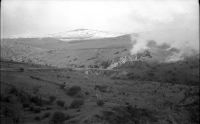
x=138, y=45
x=174, y=57
x=166, y=51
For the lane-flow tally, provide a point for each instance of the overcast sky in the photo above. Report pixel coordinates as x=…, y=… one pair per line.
x=22, y=17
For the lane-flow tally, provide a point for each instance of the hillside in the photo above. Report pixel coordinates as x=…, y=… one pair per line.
x=41, y=95
x=83, y=34
x=157, y=62
x=182, y=72
x=52, y=51
x=96, y=78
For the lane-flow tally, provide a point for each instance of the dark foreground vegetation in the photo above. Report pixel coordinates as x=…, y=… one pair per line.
x=72, y=97
x=180, y=72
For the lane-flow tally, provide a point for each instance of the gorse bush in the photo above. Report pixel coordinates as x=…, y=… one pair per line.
x=60, y=103
x=76, y=103
x=128, y=115
x=105, y=64
x=100, y=102
x=62, y=86
x=52, y=99
x=74, y=90
x=102, y=88
x=21, y=69
x=13, y=90
x=36, y=100
x=46, y=115
x=35, y=109
x=37, y=118
x=58, y=118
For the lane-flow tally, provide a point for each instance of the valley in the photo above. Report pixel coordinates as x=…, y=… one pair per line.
x=95, y=79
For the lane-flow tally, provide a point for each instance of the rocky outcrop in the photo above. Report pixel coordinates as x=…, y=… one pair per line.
x=130, y=58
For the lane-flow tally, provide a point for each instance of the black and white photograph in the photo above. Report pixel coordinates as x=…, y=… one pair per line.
x=99, y=62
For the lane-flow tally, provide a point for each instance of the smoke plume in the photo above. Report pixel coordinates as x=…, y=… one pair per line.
x=163, y=51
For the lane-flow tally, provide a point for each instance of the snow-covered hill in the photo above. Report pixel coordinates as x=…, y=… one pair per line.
x=83, y=34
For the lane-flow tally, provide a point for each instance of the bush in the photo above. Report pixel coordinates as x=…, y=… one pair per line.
x=87, y=93
x=46, y=115
x=11, y=112
x=74, y=90
x=36, y=100
x=21, y=69
x=6, y=99
x=13, y=90
x=102, y=88
x=52, y=99
x=26, y=105
x=129, y=115
x=58, y=118
x=116, y=52
x=66, y=107
x=76, y=103
x=100, y=102
x=37, y=118
x=62, y=86
x=36, y=109
x=60, y=103
x=105, y=64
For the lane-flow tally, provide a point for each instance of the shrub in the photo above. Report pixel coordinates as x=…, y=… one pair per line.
x=68, y=77
x=6, y=99
x=74, y=90
x=60, y=103
x=13, y=90
x=52, y=99
x=36, y=100
x=21, y=69
x=105, y=64
x=24, y=97
x=66, y=107
x=87, y=93
x=62, y=86
x=116, y=52
x=36, y=89
x=36, y=109
x=26, y=105
x=100, y=102
x=37, y=118
x=48, y=108
x=76, y=103
x=46, y=115
x=58, y=118
x=102, y=88
x=129, y=115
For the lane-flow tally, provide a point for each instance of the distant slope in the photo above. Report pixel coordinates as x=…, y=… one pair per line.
x=52, y=51
x=83, y=34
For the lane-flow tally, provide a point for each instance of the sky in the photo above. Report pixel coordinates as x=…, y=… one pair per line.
x=176, y=19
